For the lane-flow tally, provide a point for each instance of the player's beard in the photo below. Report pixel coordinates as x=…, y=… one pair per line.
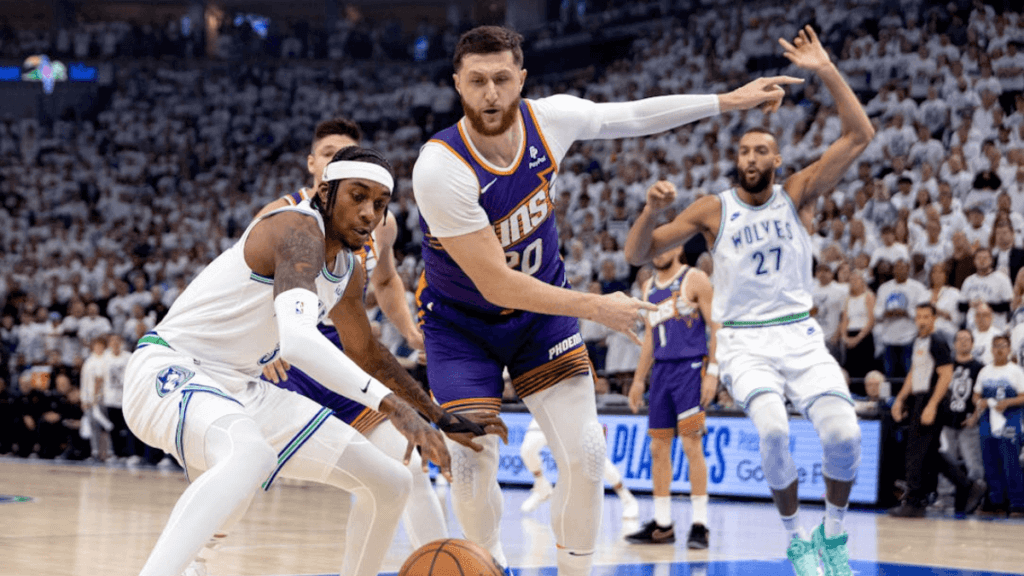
x=759, y=185
x=476, y=118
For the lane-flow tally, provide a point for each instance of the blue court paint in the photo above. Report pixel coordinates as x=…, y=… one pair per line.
x=754, y=567
x=5, y=499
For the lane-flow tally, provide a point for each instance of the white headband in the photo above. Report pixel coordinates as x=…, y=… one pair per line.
x=344, y=169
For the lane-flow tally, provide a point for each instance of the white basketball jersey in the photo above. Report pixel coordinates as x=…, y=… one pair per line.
x=226, y=315
x=762, y=257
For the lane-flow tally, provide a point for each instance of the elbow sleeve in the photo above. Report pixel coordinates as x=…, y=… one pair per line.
x=305, y=347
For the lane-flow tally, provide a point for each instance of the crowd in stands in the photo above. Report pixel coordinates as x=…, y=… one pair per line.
x=103, y=222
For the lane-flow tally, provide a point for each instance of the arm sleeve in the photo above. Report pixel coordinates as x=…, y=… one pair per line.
x=566, y=118
x=447, y=193
x=304, y=346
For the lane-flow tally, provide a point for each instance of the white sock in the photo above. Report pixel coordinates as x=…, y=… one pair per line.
x=700, y=509
x=576, y=563
x=834, y=519
x=793, y=526
x=663, y=511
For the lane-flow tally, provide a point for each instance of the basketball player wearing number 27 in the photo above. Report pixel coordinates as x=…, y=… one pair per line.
x=768, y=346
x=494, y=294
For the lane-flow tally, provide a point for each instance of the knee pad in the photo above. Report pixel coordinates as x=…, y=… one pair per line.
x=594, y=449
x=836, y=423
x=474, y=472
x=769, y=415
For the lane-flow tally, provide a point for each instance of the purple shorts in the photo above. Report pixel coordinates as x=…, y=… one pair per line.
x=674, y=399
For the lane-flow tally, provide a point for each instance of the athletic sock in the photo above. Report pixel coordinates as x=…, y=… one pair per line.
x=574, y=562
x=834, y=516
x=700, y=509
x=793, y=526
x=663, y=511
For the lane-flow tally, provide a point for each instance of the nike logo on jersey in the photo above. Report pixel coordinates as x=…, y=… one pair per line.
x=696, y=365
x=367, y=386
x=489, y=184
x=734, y=216
x=572, y=553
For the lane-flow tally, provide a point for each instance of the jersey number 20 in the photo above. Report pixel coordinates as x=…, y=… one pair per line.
x=764, y=260
x=529, y=261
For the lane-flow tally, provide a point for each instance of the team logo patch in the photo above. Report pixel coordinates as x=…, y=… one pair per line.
x=269, y=356
x=171, y=379
x=7, y=499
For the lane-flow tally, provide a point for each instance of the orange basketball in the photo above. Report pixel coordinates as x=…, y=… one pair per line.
x=451, y=557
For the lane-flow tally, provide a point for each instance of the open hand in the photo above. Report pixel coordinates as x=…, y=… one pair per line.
x=806, y=51
x=419, y=433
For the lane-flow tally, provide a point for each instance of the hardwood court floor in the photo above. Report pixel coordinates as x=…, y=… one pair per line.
x=90, y=521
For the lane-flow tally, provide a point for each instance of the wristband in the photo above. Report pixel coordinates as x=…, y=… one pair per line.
x=712, y=369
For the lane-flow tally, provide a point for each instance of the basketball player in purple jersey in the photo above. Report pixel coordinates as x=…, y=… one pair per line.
x=494, y=294
x=675, y=342
x=768, y=346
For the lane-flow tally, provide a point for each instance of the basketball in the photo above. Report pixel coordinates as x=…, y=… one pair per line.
x=451, y=557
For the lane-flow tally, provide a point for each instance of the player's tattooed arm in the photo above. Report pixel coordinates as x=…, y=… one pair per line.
x=349, y=317
x=289, y=247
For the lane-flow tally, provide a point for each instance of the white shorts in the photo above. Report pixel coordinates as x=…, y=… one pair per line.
x=789, y=360
x=160, y=384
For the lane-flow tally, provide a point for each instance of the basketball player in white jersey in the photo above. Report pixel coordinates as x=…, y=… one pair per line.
x=423, y=517
x=768, y=347
x=192, y=387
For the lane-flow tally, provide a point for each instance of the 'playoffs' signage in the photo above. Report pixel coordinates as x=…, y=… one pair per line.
x=730, y=449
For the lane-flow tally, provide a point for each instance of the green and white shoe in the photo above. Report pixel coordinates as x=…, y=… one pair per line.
x=834, y=557
x=804, y=557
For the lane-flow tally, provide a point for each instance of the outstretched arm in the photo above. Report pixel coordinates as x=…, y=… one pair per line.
x=645, y=241
x=660, y=113
x=805, y=186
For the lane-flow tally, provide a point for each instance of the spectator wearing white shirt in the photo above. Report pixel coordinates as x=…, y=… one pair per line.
x=933, y=113
x=890, y=250
x=579, y=270
x=978, y=230
x=983, y=332
x=93, y=325
x=951, y=215
x=946, y=300
x=829, y=299
x=986, y=286
x=935, y=247
x=926, y=149
x=94, y=371
x=894, y=312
